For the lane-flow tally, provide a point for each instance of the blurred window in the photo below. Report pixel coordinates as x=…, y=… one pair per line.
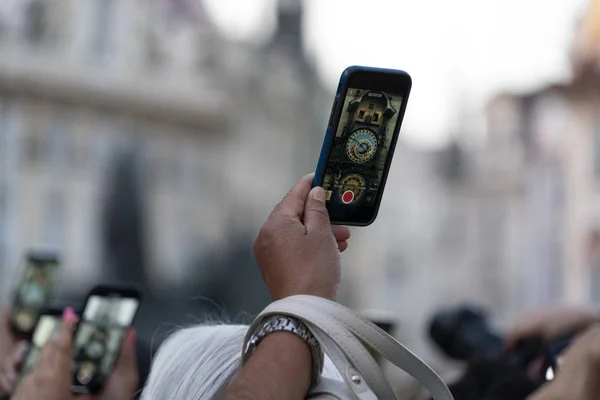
x=102, y=29
x=595, y=281
x=493, y=219
x=596, y=150
x=42, y=22
x=594, y=266
x=452, y=237
x=154, y=47
x=4, y=223
x=101, y=134
x=34, y=148
x=53, y=218
x=4, y=134
x=36, y=21
x=57, y=141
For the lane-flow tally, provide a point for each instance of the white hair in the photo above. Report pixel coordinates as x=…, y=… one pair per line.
x=198, y=363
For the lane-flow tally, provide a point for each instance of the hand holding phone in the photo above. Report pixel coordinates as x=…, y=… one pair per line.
x=361, y=136
x=33, y=292
x=51, y=378
x=49, y=323
x=107, y=316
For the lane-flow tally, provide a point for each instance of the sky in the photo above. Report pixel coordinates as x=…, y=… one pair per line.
x=459, y=52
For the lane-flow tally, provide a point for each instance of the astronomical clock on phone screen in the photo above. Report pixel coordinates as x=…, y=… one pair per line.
x=360, y=147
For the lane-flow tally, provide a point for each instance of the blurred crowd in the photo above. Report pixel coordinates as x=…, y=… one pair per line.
x=553, y=354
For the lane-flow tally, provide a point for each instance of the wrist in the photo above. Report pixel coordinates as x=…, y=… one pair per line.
x=279, y=325
x=323, y=292
x=295, y=345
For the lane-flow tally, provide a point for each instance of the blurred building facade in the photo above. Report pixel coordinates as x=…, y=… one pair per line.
x=86, y=83
x=560, y=131
x=140, y=105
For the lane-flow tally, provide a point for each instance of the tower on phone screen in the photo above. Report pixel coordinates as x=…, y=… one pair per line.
x=360, y=148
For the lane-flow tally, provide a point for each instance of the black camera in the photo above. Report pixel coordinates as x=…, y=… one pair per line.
x=492, y=373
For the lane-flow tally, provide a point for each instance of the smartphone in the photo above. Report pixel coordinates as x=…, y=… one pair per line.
x=359, y=143
x=108, y=313
x=33, y=292
x=49, y=322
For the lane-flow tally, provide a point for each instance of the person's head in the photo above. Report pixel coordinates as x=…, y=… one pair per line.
x=198, y=363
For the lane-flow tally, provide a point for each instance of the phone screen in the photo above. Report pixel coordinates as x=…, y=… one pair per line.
x=104, y=324
x=45, y=328
x=360, y=152
x=33, y=294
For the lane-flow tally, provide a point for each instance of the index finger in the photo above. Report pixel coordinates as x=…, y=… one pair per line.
x=292, y=204
x=57, y=351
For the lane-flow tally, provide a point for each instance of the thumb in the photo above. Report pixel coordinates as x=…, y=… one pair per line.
x=316, y=216
x=56, y=354
x=127, y=358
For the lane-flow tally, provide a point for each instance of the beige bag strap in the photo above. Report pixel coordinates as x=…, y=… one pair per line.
x=378, y=340
x=342, y=334
x=345, y=350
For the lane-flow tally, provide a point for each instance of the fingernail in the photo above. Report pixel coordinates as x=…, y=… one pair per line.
x=70, y=316
x=318, y=193
x=311, y=174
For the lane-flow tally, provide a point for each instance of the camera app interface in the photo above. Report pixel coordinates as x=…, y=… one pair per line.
x=97, y=344
x=360, y=147
x=33, y=294
x=45, y=328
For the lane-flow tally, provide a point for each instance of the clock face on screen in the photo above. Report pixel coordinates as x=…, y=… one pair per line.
x=361, y=146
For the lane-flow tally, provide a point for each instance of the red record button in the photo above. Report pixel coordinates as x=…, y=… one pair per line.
x=348, y=197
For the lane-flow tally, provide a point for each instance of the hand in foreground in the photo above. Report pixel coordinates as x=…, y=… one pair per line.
x=297, y=249
x=124, y=380
x=8, y=341
x=9, y=371
x=578, y=376
x=52, y=377
x=551, y=324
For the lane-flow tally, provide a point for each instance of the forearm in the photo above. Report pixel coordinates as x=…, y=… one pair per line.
x=280, y=368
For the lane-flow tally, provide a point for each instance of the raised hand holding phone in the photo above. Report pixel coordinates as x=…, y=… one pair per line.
x=361, y=136
x=297, y=249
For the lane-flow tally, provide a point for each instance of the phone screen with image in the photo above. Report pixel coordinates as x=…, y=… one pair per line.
x=361, y=147
x=48, y=324
x=362, y=133
x=104, y=324
x=33, y=293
